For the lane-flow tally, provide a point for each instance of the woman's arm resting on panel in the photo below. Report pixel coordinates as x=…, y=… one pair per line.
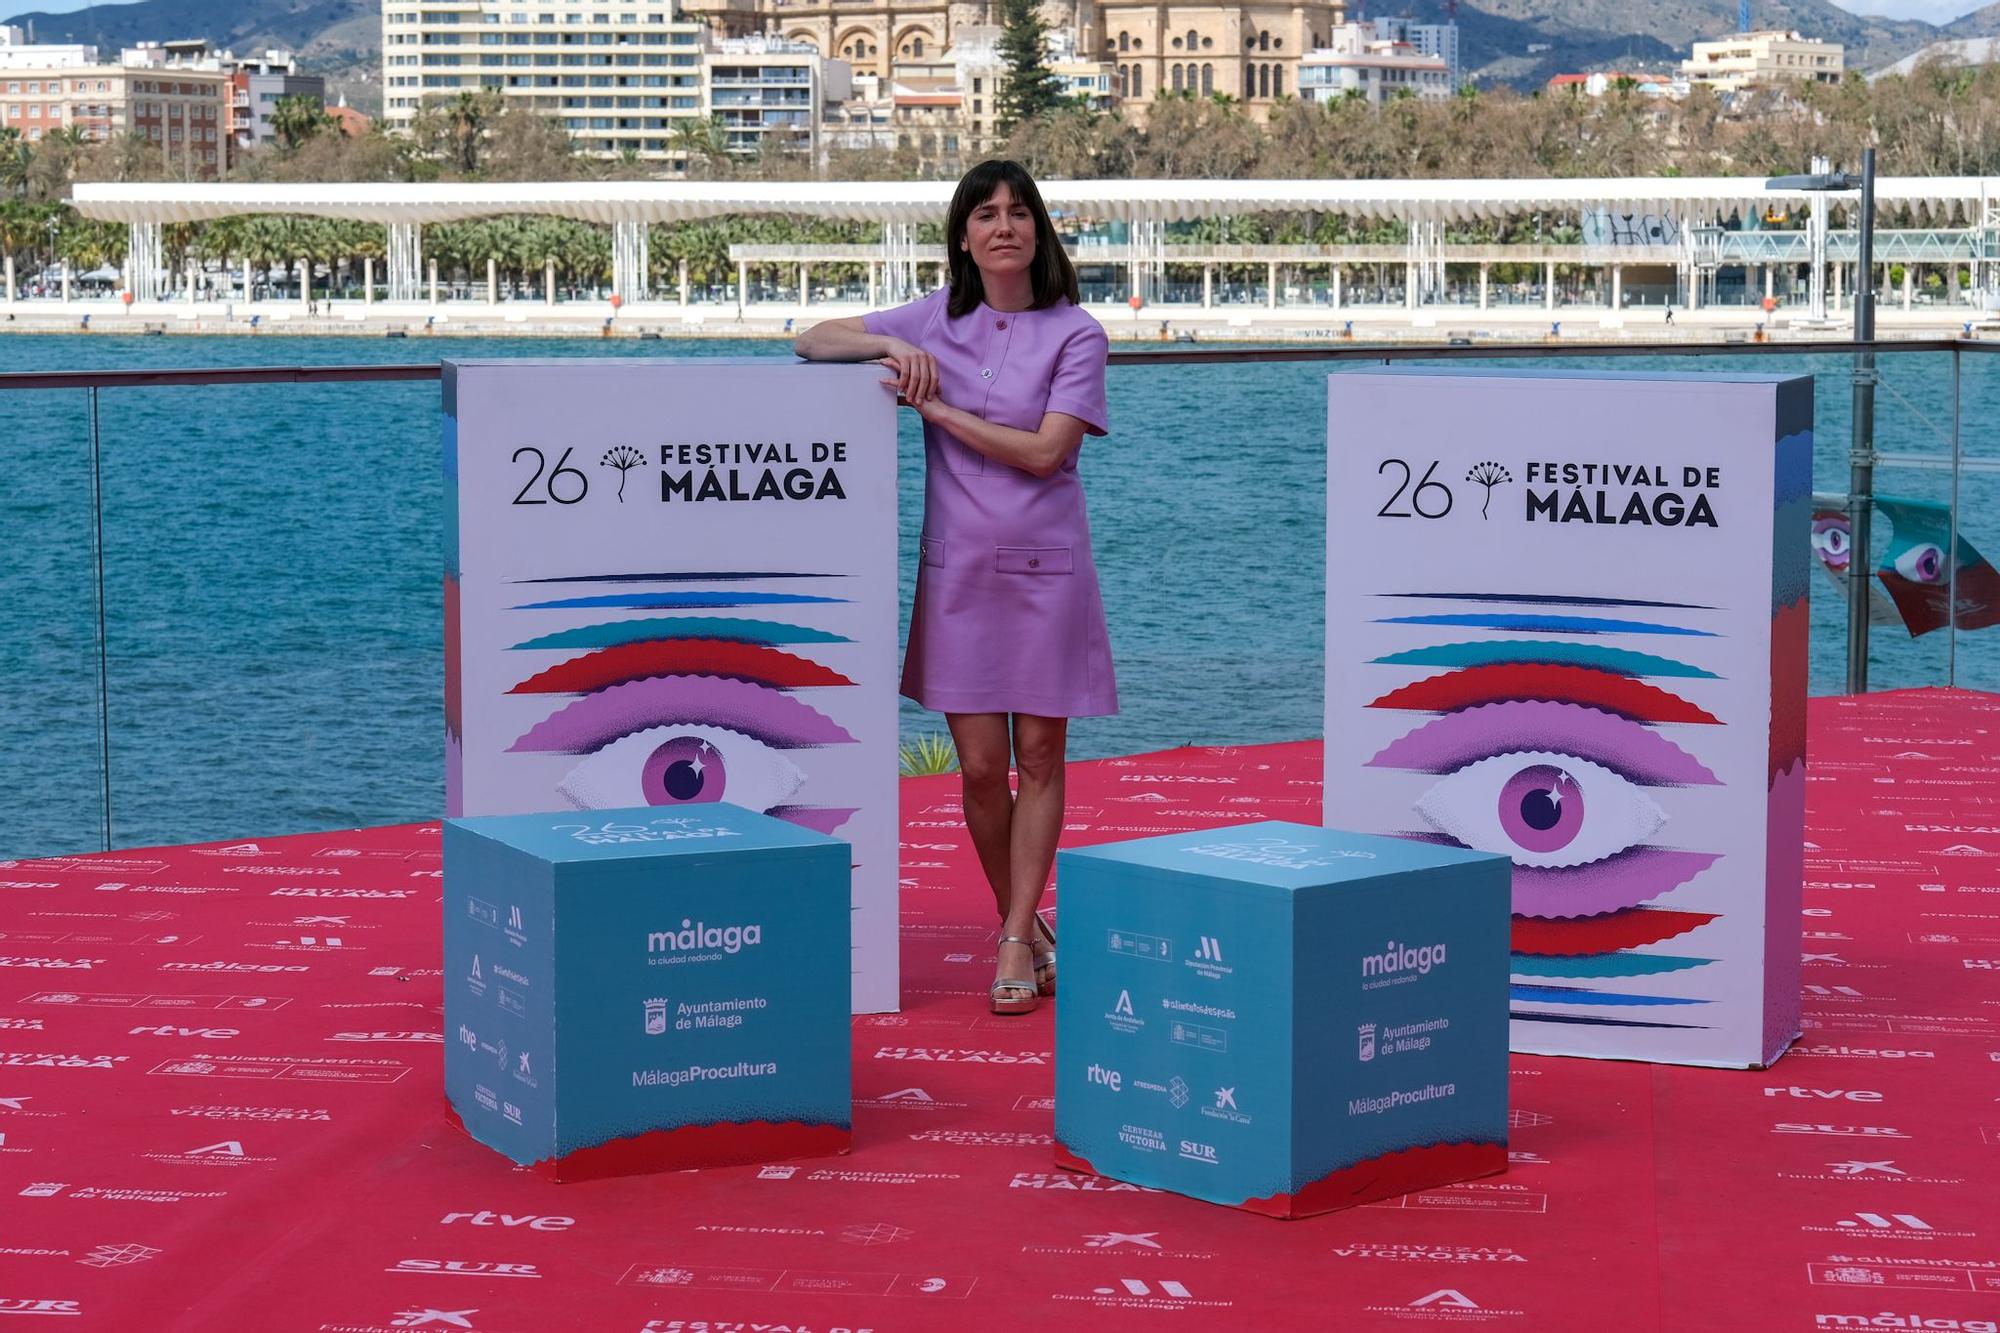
x=1040, y=451
x=916, y=376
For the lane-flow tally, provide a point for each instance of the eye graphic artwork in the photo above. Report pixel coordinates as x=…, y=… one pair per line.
x=685, y=710
x=615, y=665
x=1832, y=540
x=768, y=715
x=1578, y=995
x=682, y=765
x=1633, y=928
x=1923, y=563
x=672, y=740
x=1531, y=806
x=662, y=628
x=660, y=601
x=1500, y=682
x=1545, y=623
x=1603, y=965
x=1560, y=789
x=1915, y=572
x=1547, y=750
x=1622, y=661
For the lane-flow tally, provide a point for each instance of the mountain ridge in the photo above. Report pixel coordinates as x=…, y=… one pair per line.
x=1518, y=42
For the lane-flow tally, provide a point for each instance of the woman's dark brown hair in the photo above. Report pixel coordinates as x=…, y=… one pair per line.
x=1054, y=277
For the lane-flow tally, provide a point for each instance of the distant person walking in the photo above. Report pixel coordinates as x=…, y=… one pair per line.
x=1008, y=636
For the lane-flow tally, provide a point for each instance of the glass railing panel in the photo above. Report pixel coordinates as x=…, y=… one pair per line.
x=1910, y=642
x=1208, y=521
x=1975, y=648
x=274, y=556
x=273, y=575
x=53, y=801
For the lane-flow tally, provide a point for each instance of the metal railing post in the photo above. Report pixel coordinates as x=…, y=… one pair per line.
x=103, y=654
x=1861, y=457
x=1951, y=567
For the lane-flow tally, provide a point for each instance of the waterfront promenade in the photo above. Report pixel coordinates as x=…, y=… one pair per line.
x=1151, y=323
x=1416, y=260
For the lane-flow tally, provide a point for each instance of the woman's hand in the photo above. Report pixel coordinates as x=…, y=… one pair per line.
x=933, y=409
x=916, y=373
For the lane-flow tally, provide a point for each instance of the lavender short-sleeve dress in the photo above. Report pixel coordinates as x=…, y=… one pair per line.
x=1008, y=616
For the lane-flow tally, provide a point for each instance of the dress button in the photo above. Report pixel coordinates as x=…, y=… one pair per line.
x=1000, y=324
x=1034, y=562
x=986, y=374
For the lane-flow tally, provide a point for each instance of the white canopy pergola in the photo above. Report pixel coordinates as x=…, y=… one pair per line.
x=924, y=201
x=628, y=207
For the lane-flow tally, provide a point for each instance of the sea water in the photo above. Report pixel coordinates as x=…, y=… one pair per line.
x=272, y=561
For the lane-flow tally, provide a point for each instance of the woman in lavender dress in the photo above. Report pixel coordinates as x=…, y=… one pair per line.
x=1007, y=638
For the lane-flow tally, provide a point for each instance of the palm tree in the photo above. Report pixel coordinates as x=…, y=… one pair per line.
x=702, y=144
x=271, y=238
x=467, y=115
x=16, y=158
x=21, y=228
x=296, y=119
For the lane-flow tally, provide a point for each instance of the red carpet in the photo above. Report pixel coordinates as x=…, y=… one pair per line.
x=221, y=1110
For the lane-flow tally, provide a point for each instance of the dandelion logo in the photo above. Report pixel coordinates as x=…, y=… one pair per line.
x=624, y=458
x=1488, y=475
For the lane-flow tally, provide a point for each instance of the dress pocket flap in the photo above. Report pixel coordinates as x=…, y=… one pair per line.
x=930, y=551
x=1033, y=560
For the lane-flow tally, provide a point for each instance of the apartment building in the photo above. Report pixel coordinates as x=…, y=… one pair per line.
x=1748, y=58
x=175, y=94
x=1357, y=64
x=256, y=84
x=771, y=94
x=619, y=75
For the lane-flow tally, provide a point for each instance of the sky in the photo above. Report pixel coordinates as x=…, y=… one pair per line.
x=1933, y=11
x=43, y=6
x=1930, y=11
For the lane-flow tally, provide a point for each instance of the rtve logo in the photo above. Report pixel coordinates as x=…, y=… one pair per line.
x=1825, y=1094
x=168, y=1030
x=532, y=1221
x=1109, y=1078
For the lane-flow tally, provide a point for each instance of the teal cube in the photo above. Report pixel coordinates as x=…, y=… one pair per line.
x=1283, y=1018
x=632, y=990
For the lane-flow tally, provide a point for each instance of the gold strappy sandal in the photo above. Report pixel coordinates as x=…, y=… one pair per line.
x=1045, y=960
x=1013, y=996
